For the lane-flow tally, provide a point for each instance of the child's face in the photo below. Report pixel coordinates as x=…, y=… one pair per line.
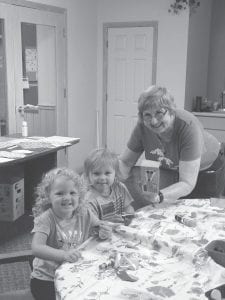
x=102, y=178
x=64, y=197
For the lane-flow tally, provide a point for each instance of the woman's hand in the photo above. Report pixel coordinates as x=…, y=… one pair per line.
x=72, y=255
x=105, y=231
x=150, y=198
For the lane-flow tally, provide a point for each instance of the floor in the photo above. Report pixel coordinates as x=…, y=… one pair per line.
x=15, y=236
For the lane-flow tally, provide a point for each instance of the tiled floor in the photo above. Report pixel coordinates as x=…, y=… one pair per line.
x=15, y=236
x=15, y=276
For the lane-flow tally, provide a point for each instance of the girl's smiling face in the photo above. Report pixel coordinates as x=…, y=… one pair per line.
x=64, y=197
x=102, y=179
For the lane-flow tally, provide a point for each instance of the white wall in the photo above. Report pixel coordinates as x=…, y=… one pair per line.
x=172, y=40
x=198, y=52
x=85, y=72
x=216, y=74
x=82, y=79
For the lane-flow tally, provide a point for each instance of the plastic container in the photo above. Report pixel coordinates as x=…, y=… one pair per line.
x=186, y=221
x=24, y=129
x=198, y=103
x=216, y=250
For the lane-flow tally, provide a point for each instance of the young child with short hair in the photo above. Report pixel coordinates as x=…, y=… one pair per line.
x=62, y=222
x=108, y=198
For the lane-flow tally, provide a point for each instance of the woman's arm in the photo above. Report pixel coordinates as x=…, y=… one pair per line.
x=126, y=161
x=188, y=174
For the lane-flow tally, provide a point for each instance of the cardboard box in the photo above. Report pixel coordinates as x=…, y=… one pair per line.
x=11, y=199
x=143, y=182
x=146, y=176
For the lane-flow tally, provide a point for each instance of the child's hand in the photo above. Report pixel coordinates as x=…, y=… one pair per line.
x=72, y=255
x=116, y=219
x=105, y=231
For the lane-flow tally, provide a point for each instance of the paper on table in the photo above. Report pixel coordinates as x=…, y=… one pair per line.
x=38, y=142
x=11, y=143
x=35, y=144
x=4, y=159
x=47, y=142
x=22, y=151
x=61, y=139
x=34, y=137
x=8, y=143
x=8, y=154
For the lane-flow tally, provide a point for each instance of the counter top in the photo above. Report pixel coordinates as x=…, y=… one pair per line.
x=217, y=114
x=18, y=150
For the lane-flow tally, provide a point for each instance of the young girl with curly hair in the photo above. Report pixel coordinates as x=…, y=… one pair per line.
x=61, y=224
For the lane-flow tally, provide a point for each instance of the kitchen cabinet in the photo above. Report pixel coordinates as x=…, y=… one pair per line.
x=213, y=122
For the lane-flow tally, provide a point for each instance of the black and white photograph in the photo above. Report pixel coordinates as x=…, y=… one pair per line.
x=112, y=149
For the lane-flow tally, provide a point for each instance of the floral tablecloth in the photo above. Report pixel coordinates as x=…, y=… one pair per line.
x=160, y=257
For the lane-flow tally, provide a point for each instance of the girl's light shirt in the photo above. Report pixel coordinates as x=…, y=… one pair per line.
x=71, y=235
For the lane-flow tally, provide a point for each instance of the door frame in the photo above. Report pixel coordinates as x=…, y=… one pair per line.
x=35, y=5
x=62, y=129
x=106, y=27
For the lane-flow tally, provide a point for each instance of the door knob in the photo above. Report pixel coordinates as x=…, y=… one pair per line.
x=27, y=108
x=20, y=109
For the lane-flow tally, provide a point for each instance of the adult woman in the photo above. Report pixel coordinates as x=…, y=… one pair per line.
x=174, y=136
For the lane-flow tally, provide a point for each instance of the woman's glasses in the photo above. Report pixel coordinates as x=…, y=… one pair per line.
x=158, y=115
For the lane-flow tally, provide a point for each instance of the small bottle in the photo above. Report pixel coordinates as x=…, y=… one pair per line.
x=24, y=129
x=186, y=221
x=198, y=103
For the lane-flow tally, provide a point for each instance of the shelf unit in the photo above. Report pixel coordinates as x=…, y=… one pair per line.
x=213, y=123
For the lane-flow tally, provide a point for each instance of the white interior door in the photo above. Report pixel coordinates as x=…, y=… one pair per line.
x=39, y=71
x=33, y=72
x=130, y=71
x=7, y=95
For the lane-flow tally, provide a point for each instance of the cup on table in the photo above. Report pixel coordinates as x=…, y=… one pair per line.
x=215, y=105
x=219, y=202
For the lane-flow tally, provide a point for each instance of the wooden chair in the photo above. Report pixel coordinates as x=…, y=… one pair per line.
x=12, y=257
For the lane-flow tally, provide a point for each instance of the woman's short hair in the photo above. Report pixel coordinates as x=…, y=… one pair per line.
x=98, y=158
x=155, y=97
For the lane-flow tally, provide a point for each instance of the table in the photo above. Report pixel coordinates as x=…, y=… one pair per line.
x=168, y=258
x=30, y=158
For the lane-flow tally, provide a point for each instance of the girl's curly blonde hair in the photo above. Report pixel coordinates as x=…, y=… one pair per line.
x=42, y=202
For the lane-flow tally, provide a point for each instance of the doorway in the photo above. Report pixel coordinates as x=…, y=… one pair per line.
x=130, y=51
x=35, y=68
